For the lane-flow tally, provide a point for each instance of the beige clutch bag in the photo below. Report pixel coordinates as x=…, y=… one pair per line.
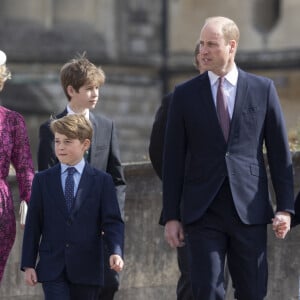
x=23, y=212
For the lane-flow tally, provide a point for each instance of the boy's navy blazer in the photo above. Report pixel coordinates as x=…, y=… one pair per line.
x=105, y=154
x=72, y=241
x=197, y=158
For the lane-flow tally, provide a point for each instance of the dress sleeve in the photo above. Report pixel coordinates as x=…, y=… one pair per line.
x=21, y=156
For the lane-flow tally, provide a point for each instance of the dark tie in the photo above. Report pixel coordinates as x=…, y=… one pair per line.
x=69, y=188
x=222, y=109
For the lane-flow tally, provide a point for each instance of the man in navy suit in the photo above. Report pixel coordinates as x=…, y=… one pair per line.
x=81, y=81
x=214, y=175
x=67, y=214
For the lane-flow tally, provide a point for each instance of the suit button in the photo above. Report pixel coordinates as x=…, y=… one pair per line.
x=67, y=245
x=227, y=154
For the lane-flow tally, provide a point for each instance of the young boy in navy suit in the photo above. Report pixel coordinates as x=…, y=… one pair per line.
x=67, y=232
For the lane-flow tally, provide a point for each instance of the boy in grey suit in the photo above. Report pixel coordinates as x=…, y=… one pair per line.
x=81, y=81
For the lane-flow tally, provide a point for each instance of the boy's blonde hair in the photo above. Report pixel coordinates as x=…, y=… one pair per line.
x=78, y=72
x=74, y=127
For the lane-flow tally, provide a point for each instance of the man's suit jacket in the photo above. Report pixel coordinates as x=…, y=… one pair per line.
x=105, y=154
x=296, y=217
x=156, y=146
x=72, y=241
x=157, y=138
x=193, y=128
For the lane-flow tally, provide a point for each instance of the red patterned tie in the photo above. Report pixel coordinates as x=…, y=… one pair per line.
x=222, y=109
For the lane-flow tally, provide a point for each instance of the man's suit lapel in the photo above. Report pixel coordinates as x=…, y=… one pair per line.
x=85, y=185
x=240, y=98
x=209, y=106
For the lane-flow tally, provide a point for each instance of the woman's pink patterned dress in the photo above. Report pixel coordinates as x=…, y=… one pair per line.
x=14, y=148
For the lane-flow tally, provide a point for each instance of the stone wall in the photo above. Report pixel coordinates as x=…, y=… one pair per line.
x=145, y=48
x=130, y=98
x=151, y=268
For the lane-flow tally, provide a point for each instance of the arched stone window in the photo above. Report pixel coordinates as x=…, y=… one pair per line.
x=266, y=14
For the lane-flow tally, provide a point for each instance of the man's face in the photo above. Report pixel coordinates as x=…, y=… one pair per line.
x=215, y=54
x=85, y=98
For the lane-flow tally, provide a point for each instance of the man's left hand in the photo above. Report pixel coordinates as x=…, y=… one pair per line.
x=281, y=224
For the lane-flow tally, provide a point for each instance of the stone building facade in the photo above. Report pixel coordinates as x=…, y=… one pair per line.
x=145, y=48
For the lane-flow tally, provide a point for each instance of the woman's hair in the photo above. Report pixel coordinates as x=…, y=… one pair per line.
x=73, y=126
x=4, y=75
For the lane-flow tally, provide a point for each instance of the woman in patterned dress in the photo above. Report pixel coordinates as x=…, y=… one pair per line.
x=15, y=150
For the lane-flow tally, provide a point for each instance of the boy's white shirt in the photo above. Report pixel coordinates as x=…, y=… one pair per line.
x=71, y=112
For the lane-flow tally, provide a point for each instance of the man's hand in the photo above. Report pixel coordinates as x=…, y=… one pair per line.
x=30, y=277
x=281, y=224
x=174, y=234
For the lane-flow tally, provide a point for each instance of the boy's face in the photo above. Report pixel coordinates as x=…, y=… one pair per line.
x=85, y=98
x=69, y=151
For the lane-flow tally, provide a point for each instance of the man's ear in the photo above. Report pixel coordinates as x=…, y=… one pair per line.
x=233, y=45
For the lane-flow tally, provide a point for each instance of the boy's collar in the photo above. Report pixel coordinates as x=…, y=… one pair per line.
x=79, y=167
x=71, y=112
